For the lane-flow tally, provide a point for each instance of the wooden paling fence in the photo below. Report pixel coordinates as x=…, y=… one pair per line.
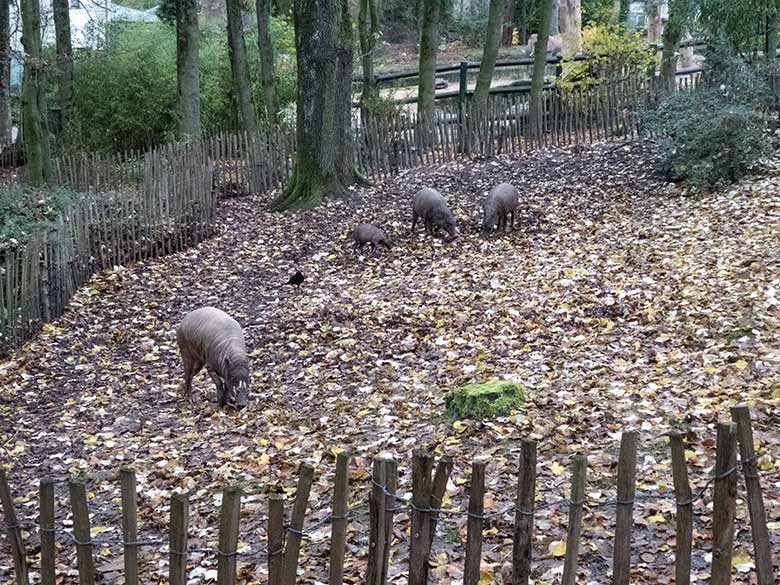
x=284, y=536
x=130, y=207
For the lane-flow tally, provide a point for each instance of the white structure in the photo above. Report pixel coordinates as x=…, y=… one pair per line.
x=88, y=22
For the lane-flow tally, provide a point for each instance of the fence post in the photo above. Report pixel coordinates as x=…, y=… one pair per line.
x=48, y=551
x=229, y=517
x=275, y=538
x=440, y=478
x=180, y=523
x=474, y=534
x=462, y=93
x=14, y=531
x=761, y=544
x=522, y=545
x=421, y=526
x=295, y=530
x=376, y=510
x=81, y=532
x=391, y=479
x=626, y=487
x=724, y=503
x=340, y=520
x=130, y=524
x=575, y=520
x=684, y=498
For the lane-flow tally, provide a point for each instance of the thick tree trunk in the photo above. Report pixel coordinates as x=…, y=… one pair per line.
x=555, y=25
x=187, y=69
x=61, y=10
x=239, y=68
x=489, y=54
x=521, y=21
x=429, y=44
x=5, y=77
x=654, y=24
x=536, y=106
x=323, y=163
x=570, y=21
x=508, y=26
x=266, y=49
x=36, y=135
x=367, y=35
x=671, y=41
x=772, y=30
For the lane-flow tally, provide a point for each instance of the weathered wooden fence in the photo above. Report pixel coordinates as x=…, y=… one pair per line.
x=130, y=208
x=283, y=540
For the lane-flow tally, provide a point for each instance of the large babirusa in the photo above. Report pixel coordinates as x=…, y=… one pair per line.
x=212, y=338
x=431, y=207
x=500, y=202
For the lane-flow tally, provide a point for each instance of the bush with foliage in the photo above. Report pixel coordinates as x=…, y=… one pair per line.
x=483, y=401
x=24, y=210
x=125, y=93
x=709, y=138
x=613, y=52
x=597, y=12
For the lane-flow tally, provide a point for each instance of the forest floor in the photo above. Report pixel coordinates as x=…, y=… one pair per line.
x=618, y=301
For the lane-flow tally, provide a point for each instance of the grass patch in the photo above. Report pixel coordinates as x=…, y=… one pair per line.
x=481, y=401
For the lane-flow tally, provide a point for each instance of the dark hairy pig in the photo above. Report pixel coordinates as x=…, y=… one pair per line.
x=500, y=202
x=365, y=233
x=429, y=205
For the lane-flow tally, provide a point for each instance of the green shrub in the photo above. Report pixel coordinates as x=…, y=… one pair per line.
x=481, y=401
x=125, y=93
x=709, y=138
x=24, y=210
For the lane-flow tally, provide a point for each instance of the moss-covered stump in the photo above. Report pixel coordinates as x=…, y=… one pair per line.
x=489, y=400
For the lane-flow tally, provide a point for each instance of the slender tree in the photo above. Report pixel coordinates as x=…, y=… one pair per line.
x=679, y=12
x=368, y=30
x=654, y=26
x=508, y=26
x=323, y=159
x=624, y=7
x=772, y=29
x=570, y=23
x=64, y=46
x=555, y=26
x=239, y=68
x=266, y=49
x=429, y=42
x=36, y=136
x=5, y=76
x=536, y=106
x=489, y=54
x=187, y=69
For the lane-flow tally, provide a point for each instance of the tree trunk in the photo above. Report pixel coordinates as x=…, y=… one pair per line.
x=367, y=34
x=570, y=21
x=521, y=21
x=490, y=53
x=187, y=69
x=282, y=8
x=5, y=77
x=61, y=10
x=323, y=163
x=508, y=26
x=429, y=43
x=671, y=41
x=239, y=68
x=266, y=58
x=654, y=25
x=624, y=7
x=36, y=135
x=536, y=106
x=555, y=25
x=772, y=30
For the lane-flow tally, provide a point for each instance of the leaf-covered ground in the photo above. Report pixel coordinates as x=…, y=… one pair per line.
x=618, y=301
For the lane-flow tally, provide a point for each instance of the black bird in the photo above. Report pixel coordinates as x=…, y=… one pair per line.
x=296, y=279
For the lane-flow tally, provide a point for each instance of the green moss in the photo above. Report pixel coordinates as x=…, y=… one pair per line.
x=489, y=400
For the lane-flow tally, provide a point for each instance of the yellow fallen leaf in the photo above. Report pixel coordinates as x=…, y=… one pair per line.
x=460, y=426
x=100, y=529
x=265, y=459
x=557, y=548
x=363, y=412
x=557, y=468
x=657, y=519
x=485, y=578
x=740, y=364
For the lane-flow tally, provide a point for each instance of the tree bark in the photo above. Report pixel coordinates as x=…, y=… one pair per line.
x=772, y=30
x=266, y=49
x=187, y=69
x=570, y=24
x=489, y=54
x=5, y=77
x=429, y=44
x=36, y=135
x=323, y=163
x=671, y=40
x=555, y=25
x=521, y=21
x=508, y=26
x=654, y=25
x=239, y=68
x=367, y=35
x=61, y=11
x=536, y=107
